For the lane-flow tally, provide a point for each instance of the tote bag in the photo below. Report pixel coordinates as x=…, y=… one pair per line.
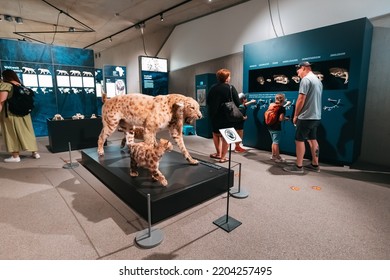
x=232, y=113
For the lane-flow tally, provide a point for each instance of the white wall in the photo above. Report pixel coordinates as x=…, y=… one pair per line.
x=226, y=32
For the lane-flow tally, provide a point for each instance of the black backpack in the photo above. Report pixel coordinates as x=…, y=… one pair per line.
x=22, y=101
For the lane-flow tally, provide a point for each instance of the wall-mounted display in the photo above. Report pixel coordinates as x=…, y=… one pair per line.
x=75, y=90
x=38, y=77
x=62, y=78
x=334, y=75
x=340, y=62
x=114, y=80
x=153, y=75
x=203, y=83
x=99, y=82
x=153, y=64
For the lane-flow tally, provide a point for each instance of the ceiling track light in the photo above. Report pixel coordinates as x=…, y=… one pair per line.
x=71, y=29
x=139, y=25
x=8, y=18
x=161, y=17
x=18, y=20
x=110, y=39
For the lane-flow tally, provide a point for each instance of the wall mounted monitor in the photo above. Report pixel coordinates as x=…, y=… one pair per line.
x=153, y=75
x=153, y=64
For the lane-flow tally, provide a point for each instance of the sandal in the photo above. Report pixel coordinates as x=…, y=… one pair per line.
x=222, y=160
x=215, y=156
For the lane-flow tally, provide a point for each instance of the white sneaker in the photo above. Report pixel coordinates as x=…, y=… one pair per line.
x=36, y=155
x=12, y=159
x=278, y=159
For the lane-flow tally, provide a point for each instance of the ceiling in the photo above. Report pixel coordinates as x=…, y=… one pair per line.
x=98, y=24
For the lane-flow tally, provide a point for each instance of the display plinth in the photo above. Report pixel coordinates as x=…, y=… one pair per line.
x=188, y=185
x=80, y=134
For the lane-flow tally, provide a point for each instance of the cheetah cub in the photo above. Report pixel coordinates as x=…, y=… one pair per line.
x=148, y=156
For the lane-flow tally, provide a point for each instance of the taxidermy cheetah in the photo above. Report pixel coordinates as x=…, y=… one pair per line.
x=148, y=156
x=152, y=114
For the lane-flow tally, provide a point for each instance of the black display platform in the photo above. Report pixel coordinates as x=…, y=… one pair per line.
x=188, y=185
x=80, y=133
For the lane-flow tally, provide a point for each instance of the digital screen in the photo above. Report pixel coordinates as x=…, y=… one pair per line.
x=153, y=64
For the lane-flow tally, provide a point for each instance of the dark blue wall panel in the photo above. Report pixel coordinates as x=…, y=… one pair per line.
x=269, y=69
x=44, y=68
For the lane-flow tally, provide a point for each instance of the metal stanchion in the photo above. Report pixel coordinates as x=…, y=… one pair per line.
x=149, y=238
x=70, y=164
x=238, y=192
x=226, y=222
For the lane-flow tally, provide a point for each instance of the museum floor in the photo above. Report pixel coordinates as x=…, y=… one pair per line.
x=49, y=212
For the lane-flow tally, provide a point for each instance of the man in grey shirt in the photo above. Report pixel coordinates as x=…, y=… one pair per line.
x=307, y=118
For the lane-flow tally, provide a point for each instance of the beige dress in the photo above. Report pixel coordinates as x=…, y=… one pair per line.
x=18, y=132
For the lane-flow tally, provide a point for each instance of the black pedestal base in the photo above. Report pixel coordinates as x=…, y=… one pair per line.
x=188, y=185
x=227, y=223
x=80, y=134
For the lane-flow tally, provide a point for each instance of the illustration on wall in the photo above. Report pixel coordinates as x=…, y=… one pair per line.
x=114, y=80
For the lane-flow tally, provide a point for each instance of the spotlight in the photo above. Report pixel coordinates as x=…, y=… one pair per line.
x=110, y=39
x=8, y=18
x=161, y=17
x=19, y=20
x=71, y=29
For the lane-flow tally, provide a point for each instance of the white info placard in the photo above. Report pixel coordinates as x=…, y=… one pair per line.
x=230, y=135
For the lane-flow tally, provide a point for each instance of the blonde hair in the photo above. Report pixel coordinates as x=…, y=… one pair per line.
x=280, y=98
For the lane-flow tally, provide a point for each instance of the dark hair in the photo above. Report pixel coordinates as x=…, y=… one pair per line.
x=10, y=75
x=222, y=75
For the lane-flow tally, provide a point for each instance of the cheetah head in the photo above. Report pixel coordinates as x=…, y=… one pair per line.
x=191, y=111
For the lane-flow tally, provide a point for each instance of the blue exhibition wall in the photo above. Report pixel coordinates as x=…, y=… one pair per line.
x=340, y=54
x=62, y=78
x=203, y=83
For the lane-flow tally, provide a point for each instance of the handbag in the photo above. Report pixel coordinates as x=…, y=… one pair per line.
x=232, y=113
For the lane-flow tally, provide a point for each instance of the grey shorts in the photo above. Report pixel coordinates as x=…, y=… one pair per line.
x=306, y=130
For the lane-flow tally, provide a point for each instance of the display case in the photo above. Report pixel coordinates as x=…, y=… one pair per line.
x=80, y=133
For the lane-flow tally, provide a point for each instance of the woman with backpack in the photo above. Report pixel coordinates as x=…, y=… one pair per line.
x=18, y=131
x=273, y=118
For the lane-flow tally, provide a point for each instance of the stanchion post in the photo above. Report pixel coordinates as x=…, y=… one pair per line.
x=70, y=164
x=238, y=192
x=226, y=222
x=149, y=238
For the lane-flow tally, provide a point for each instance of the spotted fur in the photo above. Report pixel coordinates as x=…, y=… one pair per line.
x=151, y=113
x=148, y=156
x=131, y=132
